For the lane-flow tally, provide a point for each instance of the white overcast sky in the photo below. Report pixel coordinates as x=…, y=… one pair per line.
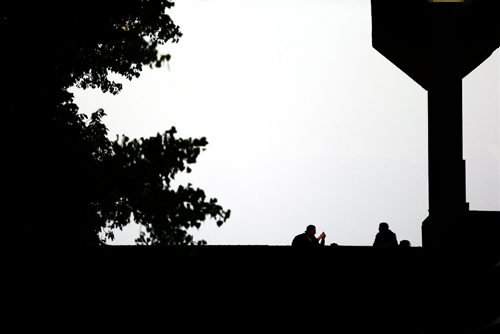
x=306, y=122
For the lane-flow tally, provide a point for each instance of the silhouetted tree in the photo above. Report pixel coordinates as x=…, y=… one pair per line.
x=68, y=181
x=132, y=178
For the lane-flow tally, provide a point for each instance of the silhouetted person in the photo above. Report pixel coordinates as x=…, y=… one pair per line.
x=404, y=244
x=385, y=237
x=308, y=238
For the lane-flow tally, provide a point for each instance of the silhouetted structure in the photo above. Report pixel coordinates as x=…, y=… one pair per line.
x=437, y=43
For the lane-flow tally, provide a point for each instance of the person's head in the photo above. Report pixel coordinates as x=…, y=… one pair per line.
x=404, y=243
x=311, y=230
x=383, y=226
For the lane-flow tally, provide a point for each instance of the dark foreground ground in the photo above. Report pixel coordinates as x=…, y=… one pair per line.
x=334, y=289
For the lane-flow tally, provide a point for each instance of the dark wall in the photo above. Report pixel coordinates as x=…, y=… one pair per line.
x=343, y=289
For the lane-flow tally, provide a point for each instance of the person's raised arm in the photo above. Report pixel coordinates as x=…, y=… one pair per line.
x=321, y=238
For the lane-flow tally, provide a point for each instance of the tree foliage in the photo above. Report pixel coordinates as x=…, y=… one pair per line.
x=69, y=181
